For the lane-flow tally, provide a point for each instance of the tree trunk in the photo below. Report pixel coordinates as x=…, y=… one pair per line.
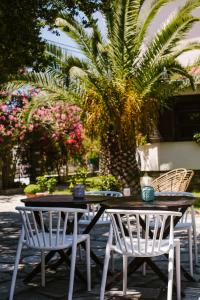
x=104, y=160
x=120, y=161
x=8, y=170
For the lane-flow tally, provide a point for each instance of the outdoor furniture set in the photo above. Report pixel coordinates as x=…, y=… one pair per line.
x=50, y=224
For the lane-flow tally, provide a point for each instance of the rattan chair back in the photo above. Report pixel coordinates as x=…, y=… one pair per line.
x=172, y=181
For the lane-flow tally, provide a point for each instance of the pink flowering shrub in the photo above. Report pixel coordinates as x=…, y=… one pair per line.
x=47, y=141
x=9, y=123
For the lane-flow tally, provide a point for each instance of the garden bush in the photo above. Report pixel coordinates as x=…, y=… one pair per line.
x=106, y=183
x=109, y=182
x=32, y=189
x=46, y=184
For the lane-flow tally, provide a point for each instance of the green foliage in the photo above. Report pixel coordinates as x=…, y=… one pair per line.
x=106, y=183
x=41, y=181
x=20, y=25
x=51, y=185
x=32, y=189
x=46, y=184
x=122, y=84
x=79, y=177
x=197, y=137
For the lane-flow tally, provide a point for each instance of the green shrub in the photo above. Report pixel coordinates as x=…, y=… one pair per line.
x=196, y=137
x=79, y=177
x=42, y=182
x=109, y=182
x=32, y=189
x=51, y=185
x=46, y=184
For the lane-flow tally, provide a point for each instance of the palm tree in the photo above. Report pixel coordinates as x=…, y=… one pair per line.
x=122, y=82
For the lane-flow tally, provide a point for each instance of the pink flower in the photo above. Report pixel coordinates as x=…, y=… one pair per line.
x=3, y=118
x=9, y=132
x=12, y=118
x=3, y=107
x=70, y=142
x=31, y=127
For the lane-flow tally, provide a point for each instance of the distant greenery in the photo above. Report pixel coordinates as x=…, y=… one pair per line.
x=122, y=86
x=46, y=184
x=32, y=189
x=79, y=177
x=21, y=44
x=108, y=182
x=197, y=137
x=43, y=184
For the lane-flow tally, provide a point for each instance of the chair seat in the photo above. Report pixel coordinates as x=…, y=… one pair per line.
x=139, y=248
x=87, y=221
x=43, y=242
x=182, y=226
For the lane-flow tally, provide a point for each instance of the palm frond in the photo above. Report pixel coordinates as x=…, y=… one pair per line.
x=164, y=42
x=186, y=48
x=55, y=51
x=51, y=85
x=87, y=42
x=123, y=32
x=155, y=74
x=156, y=6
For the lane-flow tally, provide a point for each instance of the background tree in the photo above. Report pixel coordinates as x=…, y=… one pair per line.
x=43, y=144
x=21, y=21
x=50, y=138
x=122, y=83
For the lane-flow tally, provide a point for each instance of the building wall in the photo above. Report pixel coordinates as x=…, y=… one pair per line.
x=169, y=155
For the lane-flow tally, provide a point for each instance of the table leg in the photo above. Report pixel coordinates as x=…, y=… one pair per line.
x=63, y=257
x=94, y=220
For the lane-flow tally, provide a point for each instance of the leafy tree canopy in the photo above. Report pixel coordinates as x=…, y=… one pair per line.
x=20, y=23
x=125, y=80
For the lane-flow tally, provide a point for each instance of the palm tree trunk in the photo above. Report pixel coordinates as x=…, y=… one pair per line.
x=104, y=160
x=121, y=161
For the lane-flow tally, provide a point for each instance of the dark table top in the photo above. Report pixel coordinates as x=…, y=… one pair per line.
x=163, y=203
x=131, y=202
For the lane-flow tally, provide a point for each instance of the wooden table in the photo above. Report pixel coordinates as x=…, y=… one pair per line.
x=173, y=203
x=178, y=203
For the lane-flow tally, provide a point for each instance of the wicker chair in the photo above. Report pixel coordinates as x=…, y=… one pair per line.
x=188, y=177
x=172, y=181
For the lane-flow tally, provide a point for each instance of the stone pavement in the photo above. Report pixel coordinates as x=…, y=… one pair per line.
x=139, y=287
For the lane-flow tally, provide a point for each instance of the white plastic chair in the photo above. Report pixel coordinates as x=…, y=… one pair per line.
x=93, y=208
x=132, y=242
x=187, y=223
x=175, y=183
x=44, y=229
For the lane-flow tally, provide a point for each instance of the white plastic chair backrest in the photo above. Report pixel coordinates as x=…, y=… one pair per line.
x=132, y=239
x=172, y=181
x=93, y=208
x=45, y=227
x=186, y=218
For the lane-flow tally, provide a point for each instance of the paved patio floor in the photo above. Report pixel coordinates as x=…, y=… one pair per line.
x=139, y=287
